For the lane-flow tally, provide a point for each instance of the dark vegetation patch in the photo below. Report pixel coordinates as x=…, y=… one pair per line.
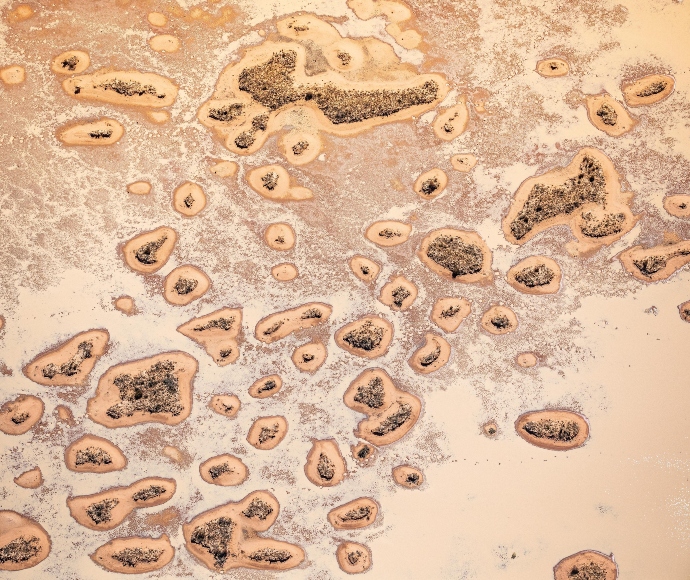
x=364, y=452
x=258, y=508
x=269, y=385
x=268, y=433
x=450, y=312
x=184, y=286
x=589, y=571
x=19, y=418
x=535, y=276
x=150, y=492
x=132, y=557
x=610, y=224
x=548, y=201
x=366, y=337
x=394, y=421
x=93, y=455
x=101, y=511
x=270, y=180
x=356, y=514
x=20, y=549
x=311, y=313
x=452, y=253
x=275, y=326
x=215, y=536
x=344, y=57
x=431, y=358
x=217, y=470
x=146, y=254
x=564, y=431
x=354, y=557
x=653, y=89
x=72, y=62
x=607, y=114
x=101, y=134
x=325, y=467
x=429, y=186
x=307, y=357
x=153, y=391
x=270, y=555
x=226, y=113
x=300, y=147
x=272, y=85
x=500, y=322
x=399, y=295
x=371, y=394
x=189, y=201
x=71, y=367
x=129, y=88
x=412, y=479
x=220, y=323
x=388, y=233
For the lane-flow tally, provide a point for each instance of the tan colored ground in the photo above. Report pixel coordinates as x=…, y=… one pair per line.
x=381, y=92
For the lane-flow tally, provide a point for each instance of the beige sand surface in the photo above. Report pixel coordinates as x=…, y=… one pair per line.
x=608, y=346
x=134, y=555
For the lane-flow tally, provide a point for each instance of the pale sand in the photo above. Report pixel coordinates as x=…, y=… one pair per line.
x=527, y=360
x=281, y=324
x=217, y=333
x=608, y=115
x=398, y=293
x=602, y=213
x=325, y=465
x=224, y=470
x=448, y=313
x=69, y=363
x=184, y=285
x=125, y=304
x=553, y=67
x=554, y=429
x=20, y=13
x=363, y=453
x=353, y=557
x=309, y=357
x=108, y=509
x=93, y=454
x=226, y=537
x=408, y=476
x=65, y=415
x=391, y=412
x=189, y=199
x=24, y=542
x=398, y=15
x=134, y=555
x=274, y=182
x=431, y=356
x=157, y=19
x=71, y=62
x=158, y=403
x=365, y=269
x=266, y=387
x=354, y=515
x=98, y=133
x=224, y=169
x=31, y=479
x=267, y=432
x=499, y=320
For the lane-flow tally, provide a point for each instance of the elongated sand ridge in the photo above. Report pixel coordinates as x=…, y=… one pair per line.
x=227, y=537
